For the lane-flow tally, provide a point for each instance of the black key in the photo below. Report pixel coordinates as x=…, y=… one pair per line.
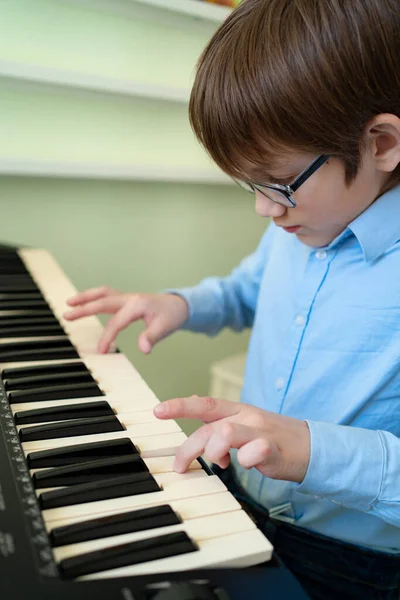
x=52, y=431
x=16, y=287
x=50, y=353
x=29, y=312
x=20, y=296
x=33, y=344
x=21, y=321
x=163, y=546
x=71, y=455
x=10, y=284
x=46, y=379
x=85, y=410
x=16, y=277
x=129, y=522
x=27, y=353
x=11, y=268
x=96, y=470
x=56, y=392
x=22, y=304
x=106, y=489
x=12, y=372
x=23, y=331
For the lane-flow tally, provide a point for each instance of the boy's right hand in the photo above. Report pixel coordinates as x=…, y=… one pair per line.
x=162, y=314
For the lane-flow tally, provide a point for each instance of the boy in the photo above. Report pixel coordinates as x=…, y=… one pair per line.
x=299, y=101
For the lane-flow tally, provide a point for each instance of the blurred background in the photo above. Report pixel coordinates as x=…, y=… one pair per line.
x=98, y=163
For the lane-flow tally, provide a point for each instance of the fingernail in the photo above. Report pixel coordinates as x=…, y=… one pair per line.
x=160, y=410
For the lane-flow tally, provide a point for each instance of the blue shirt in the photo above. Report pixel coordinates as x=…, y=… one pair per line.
x=325, y=348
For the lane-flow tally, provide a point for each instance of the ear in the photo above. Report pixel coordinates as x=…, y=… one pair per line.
x=384, y=133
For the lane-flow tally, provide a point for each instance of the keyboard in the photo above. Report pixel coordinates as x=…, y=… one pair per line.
x=87, y=489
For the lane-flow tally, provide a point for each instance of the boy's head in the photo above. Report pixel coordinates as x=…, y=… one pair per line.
x=284, y=81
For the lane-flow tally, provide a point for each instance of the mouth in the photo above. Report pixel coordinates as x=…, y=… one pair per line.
x=293, y=229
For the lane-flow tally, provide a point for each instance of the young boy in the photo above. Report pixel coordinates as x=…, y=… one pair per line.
x=299, y=101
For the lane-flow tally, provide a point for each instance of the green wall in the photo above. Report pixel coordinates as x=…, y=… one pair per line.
x=132, y=235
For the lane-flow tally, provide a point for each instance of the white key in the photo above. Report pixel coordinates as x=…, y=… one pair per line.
x=109, y=370
x=161, y=464
x=134, y=390
x=36, y=363
x=178, y=489
x=112, y=369
x=202, y=528
x=150, y=446
x=56, y=288
x=117, y=400
x=188, y=508
x=138, y=416
x=17, y=340
x=241, y=549
x=77, y=337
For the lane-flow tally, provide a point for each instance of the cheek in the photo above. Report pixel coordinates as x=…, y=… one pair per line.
x=323, y=202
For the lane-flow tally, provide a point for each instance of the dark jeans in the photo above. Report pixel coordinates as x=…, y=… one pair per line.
x=327, y=569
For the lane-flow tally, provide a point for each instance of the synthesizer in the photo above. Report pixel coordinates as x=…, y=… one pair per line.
x=89, y=502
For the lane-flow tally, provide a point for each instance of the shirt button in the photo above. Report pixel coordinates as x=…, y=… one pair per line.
x=300, y=320
x=320, y=254
x=279, y=383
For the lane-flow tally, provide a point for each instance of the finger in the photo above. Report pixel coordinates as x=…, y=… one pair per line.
x=144, y=344
x=224, y=461
x=109, y=304
x=204, y=408
x=129, y=313
x=263, y=455
x=215, y=441
x=89, y=295
x=156, y=331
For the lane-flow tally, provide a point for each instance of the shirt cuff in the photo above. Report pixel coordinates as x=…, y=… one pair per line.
x=346, y=465
x=200, y=307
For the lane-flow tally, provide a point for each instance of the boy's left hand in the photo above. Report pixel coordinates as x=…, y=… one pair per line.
x=277, y=445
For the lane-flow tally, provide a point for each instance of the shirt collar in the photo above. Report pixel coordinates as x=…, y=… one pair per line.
x=377, y=228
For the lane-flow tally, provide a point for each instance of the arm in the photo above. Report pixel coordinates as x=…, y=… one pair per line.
x=357, y=468
x=218, y=302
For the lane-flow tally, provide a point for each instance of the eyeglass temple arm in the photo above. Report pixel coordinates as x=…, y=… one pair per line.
x=309, y=171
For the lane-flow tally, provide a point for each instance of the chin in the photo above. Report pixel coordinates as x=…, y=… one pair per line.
x=314, y=241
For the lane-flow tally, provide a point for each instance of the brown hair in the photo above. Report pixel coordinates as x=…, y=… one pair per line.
x=305, y=75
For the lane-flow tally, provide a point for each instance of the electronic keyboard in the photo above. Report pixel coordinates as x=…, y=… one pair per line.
x=87, y=489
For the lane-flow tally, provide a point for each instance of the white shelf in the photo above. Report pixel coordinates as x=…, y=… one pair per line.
x=29, y=168
x=194, y=8
x=197, y=9
x=74, y=79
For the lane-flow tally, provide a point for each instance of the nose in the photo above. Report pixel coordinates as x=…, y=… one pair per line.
x=268, y=208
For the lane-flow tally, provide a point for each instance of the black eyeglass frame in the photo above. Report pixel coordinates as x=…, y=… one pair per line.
x=286, y=190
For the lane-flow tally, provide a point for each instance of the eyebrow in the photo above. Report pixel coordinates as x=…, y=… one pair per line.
x=268, y=177
x=258, y=173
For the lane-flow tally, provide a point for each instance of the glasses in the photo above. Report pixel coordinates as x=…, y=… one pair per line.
x=280, y=193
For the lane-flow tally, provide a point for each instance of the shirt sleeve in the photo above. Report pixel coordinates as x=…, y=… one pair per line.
x=354, y=467
x=218, y=302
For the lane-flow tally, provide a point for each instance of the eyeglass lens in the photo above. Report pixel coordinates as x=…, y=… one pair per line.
x=275, y=196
